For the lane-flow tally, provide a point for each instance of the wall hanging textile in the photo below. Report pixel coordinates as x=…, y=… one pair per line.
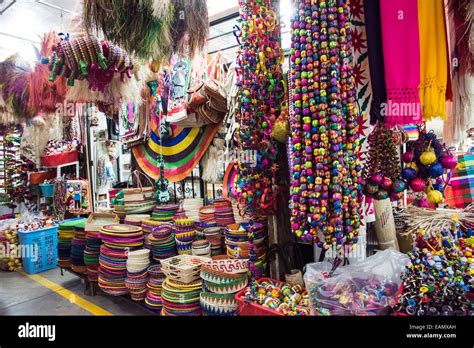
x=259, y=76
x=401, y=55
x=433, y=58
x=375, y=51
x=149, y=28
x=325, y=185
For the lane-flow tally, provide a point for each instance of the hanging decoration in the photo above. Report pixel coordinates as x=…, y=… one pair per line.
x=325, y=192
x=14, y=79
x=89, y=59
x=44, y=95
x=150, y=29
x=382, y=171
x=259, y=77
x=426, y=164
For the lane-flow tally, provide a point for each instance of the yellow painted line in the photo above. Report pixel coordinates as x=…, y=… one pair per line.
x=69, y=295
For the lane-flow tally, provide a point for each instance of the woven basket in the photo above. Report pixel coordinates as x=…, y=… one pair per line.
x=183, y=268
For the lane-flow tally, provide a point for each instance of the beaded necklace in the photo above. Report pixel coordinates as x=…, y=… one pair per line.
x=325, y=188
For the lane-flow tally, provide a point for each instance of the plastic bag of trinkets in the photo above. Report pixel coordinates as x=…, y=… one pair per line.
x=366, y=288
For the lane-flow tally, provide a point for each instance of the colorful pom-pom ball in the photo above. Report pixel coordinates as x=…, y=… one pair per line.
x=371, y=189
x=412, y=165
x=398, y=186
x=427, y=158
x=435, y=170
x=422, y=203
x=408, y=157
x=387, y=183
x=408, y=174
x=435, y=197
x=449, y=161
x=381, y=194
x=439, y=187
x=395, y=196
x=376, y=179
x=417, y=185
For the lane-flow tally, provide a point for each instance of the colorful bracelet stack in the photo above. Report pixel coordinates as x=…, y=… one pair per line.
x=259, y=78
x=326, y=183
x=281, y=297
x=223, y=278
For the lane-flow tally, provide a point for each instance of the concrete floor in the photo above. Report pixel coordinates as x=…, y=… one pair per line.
x=20, y=295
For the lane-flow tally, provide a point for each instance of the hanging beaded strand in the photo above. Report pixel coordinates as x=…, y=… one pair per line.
x=325, y=190
x=260, y=92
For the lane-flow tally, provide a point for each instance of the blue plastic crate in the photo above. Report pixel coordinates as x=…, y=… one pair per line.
x=40, y=249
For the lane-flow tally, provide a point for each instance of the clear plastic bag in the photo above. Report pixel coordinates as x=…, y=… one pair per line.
x=365, y=288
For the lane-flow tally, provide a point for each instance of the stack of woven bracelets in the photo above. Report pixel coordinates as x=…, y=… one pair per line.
x=281, y=297
x=259, y=78
x=184, y=234
x=222, y=279
x=155, y=281
x=326, y=183
x=88, y=58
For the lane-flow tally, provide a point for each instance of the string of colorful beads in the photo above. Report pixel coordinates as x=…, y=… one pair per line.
x=326, y=174
x=260, y=93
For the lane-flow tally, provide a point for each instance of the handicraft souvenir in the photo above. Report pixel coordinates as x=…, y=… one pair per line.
x=325, y=183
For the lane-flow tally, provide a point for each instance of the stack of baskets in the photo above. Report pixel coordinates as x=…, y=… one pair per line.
x=164, y=213
x=222, y=279
x=118, y=241
x=182, y=286
x=78, y=244
x=184, y=234
x=162, y=242
x=237, y=243
x=155, y=282
x=137, y=273
x=214, y=236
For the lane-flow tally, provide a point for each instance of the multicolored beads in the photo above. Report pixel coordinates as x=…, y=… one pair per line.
x=259, y=78
x=326, y=183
